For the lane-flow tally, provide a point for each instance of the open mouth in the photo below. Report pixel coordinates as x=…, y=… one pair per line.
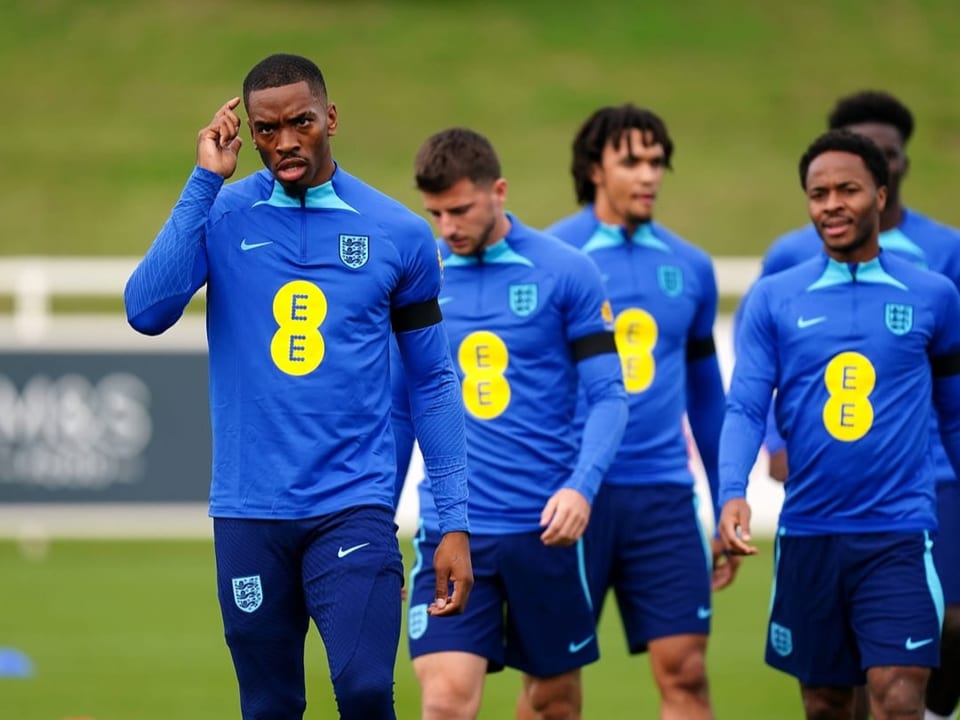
x=290, y=171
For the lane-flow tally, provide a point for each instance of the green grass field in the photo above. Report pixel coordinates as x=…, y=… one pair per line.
x=101, y=115
x=123, y=630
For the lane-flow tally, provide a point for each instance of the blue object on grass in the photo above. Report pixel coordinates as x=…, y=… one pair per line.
x=15, y=664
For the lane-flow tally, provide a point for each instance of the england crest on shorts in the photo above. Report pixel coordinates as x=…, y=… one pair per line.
x=898, y=318
x=523, y=299
x=417, y=620
x=670, y=280
x=781, y=639
x=354, y=250
x=247, y=593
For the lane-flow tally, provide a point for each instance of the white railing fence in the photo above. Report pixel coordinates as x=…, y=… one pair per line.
x=34, y=281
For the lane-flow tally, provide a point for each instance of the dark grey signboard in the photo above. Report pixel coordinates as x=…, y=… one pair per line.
x=117, y=427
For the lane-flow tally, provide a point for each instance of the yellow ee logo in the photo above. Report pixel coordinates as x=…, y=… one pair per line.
x=636, y=333
x=483, y=357
x=299, y=308
x=850, y=378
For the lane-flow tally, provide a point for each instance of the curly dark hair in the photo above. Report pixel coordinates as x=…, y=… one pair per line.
x=872, y=106
x=611, y=125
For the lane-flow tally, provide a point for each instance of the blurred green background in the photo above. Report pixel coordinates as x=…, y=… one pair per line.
x=103, y=99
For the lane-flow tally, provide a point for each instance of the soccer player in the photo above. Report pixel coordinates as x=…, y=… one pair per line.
x=527, y=319
x=856, y=342
x=929, y=244
x=307, y=269
x=644, y=539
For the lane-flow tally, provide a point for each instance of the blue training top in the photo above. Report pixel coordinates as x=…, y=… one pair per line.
x=664, y=297
x=855, y=352
x=527, y=318
x=301, y=294
x=922, y=241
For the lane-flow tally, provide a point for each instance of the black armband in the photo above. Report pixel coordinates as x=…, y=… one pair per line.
x=944, y=365
x=699, y=349
x=595, y=344
x=416, y=316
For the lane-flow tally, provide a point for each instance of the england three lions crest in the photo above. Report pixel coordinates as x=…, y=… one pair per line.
x=354, y=250
x=898, y=318
x=523, y=299
x=247, y=593
x=670, y=279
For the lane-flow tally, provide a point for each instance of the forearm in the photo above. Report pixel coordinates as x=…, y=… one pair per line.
x=946, y=397
x=403, y=433
x=604, y=425
x=437, y=413
x=175, y=265
x=705, y=407
x=740, y=441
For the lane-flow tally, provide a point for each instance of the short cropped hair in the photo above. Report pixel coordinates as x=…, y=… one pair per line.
x=848, y=142
x=872, y=106
x=282, y=69
x=612, y=125
x=452, y=155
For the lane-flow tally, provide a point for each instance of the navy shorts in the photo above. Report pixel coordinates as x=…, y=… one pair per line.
x=343, y=570
x=946, y=542
x=529, y=608
x=646, y=542
x=844, y=603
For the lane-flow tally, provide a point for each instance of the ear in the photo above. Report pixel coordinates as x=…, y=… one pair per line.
x=499, y=188
x=596, y=174
x=881, y=198
x=332, y=119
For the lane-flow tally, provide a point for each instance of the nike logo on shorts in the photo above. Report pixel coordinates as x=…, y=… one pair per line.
x=911, y=645
x=577, y=647
x=341, y=553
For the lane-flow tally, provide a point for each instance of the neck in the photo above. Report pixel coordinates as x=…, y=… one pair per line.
x=861, y=253
x=608, y=216
x=501, y=228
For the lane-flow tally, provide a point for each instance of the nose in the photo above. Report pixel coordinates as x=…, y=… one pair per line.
x=287, y=140
x=446, y=225
x=833, y=201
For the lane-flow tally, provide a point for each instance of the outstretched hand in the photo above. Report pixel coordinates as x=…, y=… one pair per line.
x=218, y=144
x=451, y=563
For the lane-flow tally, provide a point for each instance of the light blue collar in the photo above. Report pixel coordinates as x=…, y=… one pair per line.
x=499, y=253
x=838, y=273
x=895, y=240
x=611, y=236
x=319, y=197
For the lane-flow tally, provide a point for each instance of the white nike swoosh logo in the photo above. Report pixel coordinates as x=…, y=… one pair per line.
x=803, y=322
x=911, y=645
x=341, y=553
x=244, y=245
x=444, y=300
x=703, y=613
x=577, y=647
